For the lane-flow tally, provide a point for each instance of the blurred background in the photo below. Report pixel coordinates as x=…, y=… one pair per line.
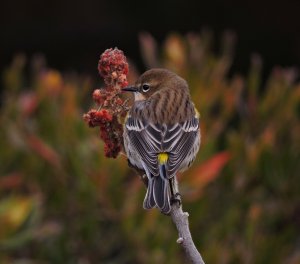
x=62, y=201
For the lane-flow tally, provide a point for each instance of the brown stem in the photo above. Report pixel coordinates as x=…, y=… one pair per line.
x=180, y=219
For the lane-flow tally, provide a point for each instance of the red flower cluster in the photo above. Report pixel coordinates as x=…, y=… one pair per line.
x=113, y=67
x=98, y=118
x=99, y=96
x=111, y=131
x=112, y=135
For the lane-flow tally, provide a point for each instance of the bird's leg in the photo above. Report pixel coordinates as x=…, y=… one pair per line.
x=175, y=195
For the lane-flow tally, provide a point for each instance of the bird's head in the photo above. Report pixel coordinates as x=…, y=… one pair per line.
x=153, y=81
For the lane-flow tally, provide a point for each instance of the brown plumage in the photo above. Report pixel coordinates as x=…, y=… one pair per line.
x=168, y=98
x=161, y=134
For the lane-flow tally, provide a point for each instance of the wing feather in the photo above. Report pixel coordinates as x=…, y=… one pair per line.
x=151, y=139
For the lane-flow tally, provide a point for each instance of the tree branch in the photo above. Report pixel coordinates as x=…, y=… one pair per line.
x=180, y=219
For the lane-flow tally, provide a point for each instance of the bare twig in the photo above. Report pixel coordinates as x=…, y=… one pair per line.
x=181, y=222
x=180, y=219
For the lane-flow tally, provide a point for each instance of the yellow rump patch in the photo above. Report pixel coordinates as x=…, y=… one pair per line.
x=162, y=158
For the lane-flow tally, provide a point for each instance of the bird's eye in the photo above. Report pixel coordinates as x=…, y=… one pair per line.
x=146, y=87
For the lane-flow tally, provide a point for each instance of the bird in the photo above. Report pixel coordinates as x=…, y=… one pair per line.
x=161, y=134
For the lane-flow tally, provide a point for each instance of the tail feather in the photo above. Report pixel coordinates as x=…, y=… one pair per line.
x=158, y=192
x=149, y=201
x=161, y=194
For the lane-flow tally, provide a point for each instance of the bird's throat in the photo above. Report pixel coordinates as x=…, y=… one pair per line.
x=139, y=97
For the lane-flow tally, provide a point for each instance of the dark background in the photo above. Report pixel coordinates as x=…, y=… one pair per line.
x=72, y=34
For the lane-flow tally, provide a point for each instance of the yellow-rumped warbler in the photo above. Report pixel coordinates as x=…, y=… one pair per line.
x=161, y=133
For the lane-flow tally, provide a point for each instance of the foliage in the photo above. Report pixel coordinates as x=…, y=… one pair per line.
x=62, y=201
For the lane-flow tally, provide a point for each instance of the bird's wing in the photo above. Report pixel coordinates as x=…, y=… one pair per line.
x=146, y=140
x=179, y=143
x=151, y=139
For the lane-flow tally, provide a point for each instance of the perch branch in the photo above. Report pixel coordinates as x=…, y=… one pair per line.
x=180, y=219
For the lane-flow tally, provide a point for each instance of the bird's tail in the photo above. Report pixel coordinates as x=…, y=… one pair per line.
x=158, y=192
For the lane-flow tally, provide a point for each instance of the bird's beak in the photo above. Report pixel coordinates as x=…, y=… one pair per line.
x=130, y=89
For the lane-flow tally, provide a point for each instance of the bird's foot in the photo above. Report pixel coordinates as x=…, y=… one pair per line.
x=176, y=198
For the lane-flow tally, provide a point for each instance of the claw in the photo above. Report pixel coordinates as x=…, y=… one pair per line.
x=176, y=198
